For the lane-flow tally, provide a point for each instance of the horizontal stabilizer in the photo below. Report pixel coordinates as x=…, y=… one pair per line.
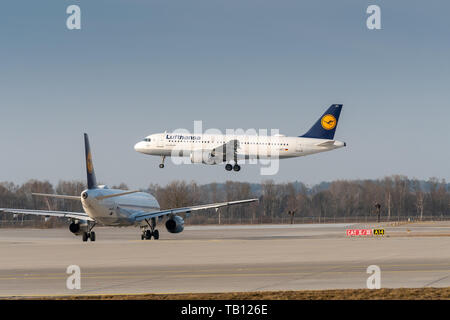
x=326, y=143
x=58, y=196
x=115, y=195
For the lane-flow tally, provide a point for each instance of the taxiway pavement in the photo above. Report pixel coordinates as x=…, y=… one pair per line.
x=223, y=259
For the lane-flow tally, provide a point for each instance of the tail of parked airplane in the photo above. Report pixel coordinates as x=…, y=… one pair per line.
x=91, y=180
x=325, y=127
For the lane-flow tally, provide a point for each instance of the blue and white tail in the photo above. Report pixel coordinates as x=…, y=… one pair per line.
x=325, y=127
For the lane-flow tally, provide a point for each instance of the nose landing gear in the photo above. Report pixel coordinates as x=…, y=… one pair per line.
x=161, y=165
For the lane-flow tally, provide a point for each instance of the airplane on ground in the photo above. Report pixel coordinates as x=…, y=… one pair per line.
x=215, y=149
x=113, y=207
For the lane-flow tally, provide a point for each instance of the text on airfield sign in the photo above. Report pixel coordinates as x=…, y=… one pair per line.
x=364, y=232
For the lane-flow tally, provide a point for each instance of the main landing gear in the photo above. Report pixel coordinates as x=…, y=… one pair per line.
x=229, y=167
x=161, y=165
x=148, y=234
x=236, y=167
x=89, y=234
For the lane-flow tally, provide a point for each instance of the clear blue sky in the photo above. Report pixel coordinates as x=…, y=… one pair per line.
x=140, y=67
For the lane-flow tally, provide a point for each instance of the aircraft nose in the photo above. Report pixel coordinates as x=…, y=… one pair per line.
x=139, y=147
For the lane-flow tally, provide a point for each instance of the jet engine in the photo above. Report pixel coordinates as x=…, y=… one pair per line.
x=175, y=224
x=206, y=157
x=78, y=227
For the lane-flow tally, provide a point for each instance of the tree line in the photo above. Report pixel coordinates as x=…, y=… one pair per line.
x=398, y=197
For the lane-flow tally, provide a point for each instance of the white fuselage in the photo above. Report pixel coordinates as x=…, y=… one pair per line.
x=279, y=146
x=116, y=211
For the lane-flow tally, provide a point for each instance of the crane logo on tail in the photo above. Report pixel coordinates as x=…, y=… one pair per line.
x=328, y=122
x=89, y=163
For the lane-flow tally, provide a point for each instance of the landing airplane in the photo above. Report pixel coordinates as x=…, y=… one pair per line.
x=215, y=149
x=113, y=207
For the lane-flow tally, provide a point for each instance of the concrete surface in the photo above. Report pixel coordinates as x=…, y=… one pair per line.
x=223, y=258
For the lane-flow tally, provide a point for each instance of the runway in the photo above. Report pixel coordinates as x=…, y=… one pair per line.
x=223, y=259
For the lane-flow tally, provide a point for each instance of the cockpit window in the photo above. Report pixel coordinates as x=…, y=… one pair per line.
x=147, y=140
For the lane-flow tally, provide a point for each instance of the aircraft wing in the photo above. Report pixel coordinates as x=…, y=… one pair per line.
x=228, y=149
x=46, y=213
x=142, y=215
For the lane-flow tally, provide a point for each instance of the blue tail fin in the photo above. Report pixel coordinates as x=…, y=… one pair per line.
x=325, y=127
x=91, y=180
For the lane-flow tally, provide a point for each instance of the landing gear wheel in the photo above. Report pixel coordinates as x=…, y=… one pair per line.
x=161, y=165
x=156, y=234
x=142, y=236
x=228, y=167
x=148, y=235
x=236, y=167
x=89, y=234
